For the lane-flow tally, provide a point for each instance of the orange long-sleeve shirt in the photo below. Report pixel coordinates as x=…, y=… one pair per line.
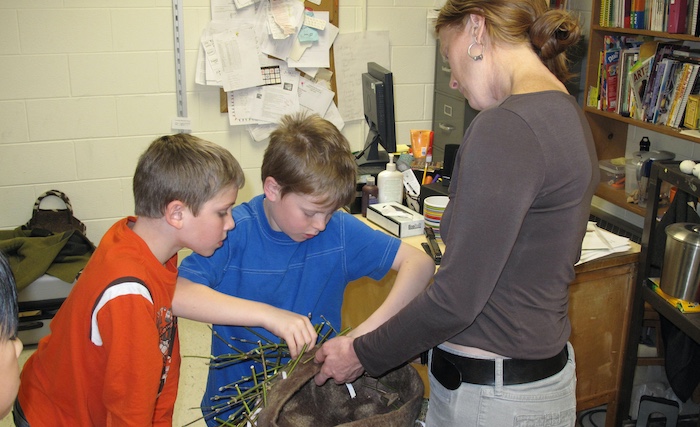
x=113, y=357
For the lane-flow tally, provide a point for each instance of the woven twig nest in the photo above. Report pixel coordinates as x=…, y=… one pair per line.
x=393, y=400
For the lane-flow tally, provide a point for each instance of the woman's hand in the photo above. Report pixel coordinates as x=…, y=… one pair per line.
x=339, y=361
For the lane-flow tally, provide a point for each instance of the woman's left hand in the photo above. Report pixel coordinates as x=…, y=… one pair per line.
x=339, y=360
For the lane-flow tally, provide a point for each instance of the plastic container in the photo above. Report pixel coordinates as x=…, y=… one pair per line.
x=390, y=183
x=370, y=194
x=611, y=174
x=631, y=183
x=680, y=276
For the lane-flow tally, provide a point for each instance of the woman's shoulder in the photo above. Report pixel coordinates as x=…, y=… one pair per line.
x=550, y=104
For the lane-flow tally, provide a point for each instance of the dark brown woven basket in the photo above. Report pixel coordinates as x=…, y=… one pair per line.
x=393, y=400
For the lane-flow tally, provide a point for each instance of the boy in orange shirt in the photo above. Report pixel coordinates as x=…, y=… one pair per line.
x=112, y=358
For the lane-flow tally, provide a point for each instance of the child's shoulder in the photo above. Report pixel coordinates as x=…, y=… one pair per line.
x=121, y=250
x=352, y=227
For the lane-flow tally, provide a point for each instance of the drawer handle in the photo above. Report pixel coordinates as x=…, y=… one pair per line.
x=446, y=128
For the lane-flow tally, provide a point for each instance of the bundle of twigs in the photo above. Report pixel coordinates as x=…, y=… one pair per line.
x=275, y=361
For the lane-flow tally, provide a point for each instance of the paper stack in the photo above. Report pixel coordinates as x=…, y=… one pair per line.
x=598, y=243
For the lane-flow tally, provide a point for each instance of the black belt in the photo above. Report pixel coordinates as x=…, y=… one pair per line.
x=453, y=370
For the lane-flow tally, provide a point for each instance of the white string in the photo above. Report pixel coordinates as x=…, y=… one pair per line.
x=351, y=390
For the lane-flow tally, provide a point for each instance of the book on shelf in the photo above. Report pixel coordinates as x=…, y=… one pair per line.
x=610, y=75
x=627, y=14
x=604, y=19
x=692, y=105
x=657, y=13
x=688, y=86
x=671, y=16
x=693, y=17
x=690, y=120
x=623, y=12
x=670, y=92
x=628, y=57
x=660, y=97
x=651, y=91
x=677, y=16
x=680, y=84
x=593, y=99
x=613, y=86
x=638, y=16
x=639, y=77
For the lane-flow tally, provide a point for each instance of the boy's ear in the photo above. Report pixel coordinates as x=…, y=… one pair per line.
x=174, y=213
x=271, y=189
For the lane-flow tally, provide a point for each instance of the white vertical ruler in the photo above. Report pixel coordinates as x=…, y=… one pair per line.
x=182, y=123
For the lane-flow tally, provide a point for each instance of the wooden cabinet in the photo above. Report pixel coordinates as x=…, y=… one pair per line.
x=599, y=306
x=600, y=300
x=610, y=129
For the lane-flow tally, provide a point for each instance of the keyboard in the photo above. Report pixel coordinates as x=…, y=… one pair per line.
x=370, y=170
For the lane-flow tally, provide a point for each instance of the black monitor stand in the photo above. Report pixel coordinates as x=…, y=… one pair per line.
x=373, y=159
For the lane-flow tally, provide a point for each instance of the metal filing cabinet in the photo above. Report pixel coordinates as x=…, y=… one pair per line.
x=451, y=112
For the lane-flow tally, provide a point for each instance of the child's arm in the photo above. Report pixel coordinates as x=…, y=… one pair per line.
x=198, y=302
x=415, y=270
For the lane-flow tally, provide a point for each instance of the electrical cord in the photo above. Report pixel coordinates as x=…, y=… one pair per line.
x=589, y=414
x=361, y=153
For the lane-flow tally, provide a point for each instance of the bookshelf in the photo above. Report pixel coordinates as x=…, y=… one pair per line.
x=610, y=128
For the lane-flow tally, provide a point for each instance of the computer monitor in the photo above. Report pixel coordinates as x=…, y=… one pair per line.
x=378, y=103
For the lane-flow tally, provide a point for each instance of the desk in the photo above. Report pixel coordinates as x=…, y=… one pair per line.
x=600, y=301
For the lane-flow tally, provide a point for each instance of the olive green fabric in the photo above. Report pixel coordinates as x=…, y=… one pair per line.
x=34, y=253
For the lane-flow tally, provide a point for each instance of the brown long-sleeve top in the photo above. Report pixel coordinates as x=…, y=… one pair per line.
x=520, y=199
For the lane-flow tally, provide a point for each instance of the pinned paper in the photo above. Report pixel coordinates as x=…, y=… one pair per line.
x=315, y=23
x=298, y=49
x=283, y=13
x=308, y=35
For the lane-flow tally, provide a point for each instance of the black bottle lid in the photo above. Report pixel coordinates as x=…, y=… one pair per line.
x=644, y=144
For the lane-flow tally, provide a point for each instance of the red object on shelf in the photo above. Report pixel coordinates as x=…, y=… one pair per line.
x=677, y=16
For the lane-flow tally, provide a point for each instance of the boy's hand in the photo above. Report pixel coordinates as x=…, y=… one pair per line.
x=339, y=360
x=295, y=329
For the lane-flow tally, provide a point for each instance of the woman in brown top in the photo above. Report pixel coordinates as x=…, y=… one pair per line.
x=496, y=315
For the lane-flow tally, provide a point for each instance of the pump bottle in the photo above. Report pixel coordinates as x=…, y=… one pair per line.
x=370, y=193
x=390, y=183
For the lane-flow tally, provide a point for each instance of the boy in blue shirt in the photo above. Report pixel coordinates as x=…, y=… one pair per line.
x=293, y=249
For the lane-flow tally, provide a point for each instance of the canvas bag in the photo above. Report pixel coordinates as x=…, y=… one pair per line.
x=54, y=220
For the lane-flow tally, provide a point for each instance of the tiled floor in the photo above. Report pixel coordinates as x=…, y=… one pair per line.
x=195, y=339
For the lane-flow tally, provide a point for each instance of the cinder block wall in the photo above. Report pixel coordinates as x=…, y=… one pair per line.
x=86, y=85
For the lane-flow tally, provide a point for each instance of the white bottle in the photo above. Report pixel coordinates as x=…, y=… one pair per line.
x=390, y=183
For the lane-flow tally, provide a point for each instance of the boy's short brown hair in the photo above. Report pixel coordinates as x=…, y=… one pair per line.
x=308, y=155
x=185, y=168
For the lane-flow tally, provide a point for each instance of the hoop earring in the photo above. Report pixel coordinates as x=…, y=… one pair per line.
x=478, y=57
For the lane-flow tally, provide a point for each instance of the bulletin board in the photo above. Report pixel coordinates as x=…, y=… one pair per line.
x=330, y=6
